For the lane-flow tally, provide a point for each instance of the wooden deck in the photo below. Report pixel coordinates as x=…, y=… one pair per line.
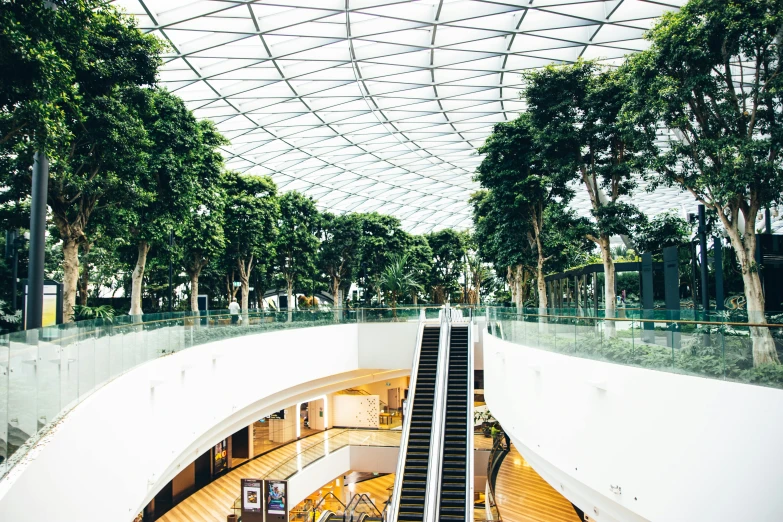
x=523, y=496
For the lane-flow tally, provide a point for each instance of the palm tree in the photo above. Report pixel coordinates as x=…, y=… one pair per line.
x=398, y=280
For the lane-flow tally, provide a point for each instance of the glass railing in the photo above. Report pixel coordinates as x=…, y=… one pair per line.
x=45, y=372
x=719, y=345
x=335, y=440
x=490, y=509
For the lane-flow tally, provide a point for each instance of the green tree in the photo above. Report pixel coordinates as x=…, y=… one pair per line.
x=57, y=53
x=297, y=243
x=524, y=184
x=713, y=75
x=75, y=92
x=382, y=239
x=579, y=112
x=252, y=214
x=419, y=263
x=201, y=238
x=664, y=230
x=448, y=262
x=399, y=280
x=339, y=250
x=503, y=241
x=182, y=171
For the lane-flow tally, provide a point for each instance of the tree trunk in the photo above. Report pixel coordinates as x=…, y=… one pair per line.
x=290, y=294
x=764, y=351
x=336, y=291
x=541, y=285
x=70, y=276
x=245, y=292
x=138, y=277
x=609, y=293
x=72, y=236
x=84, y=279
x=245, y=297
x=336, y=297
x=194, y=291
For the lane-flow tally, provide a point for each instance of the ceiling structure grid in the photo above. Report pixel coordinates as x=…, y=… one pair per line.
x=379, y=105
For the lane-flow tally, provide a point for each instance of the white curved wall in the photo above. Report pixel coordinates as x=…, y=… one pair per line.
x=682, y=449
x=114, y=451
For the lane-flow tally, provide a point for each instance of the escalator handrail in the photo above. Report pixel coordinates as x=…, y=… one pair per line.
x=469, y=474
x=406, y=427
x=350, y=508
x=330, y=494
x=326, y=514
x=435, y=465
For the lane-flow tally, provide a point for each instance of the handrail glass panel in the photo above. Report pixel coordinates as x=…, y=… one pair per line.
x=718, y=345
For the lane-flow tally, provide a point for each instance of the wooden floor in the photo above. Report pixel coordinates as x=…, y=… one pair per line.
x=480, y=442
x=213, y=502
x=523, y=496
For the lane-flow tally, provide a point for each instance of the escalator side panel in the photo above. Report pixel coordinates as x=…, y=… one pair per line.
x=414, y=479
x=454, y=480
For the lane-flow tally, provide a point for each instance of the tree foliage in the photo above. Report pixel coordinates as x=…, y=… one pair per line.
x=299, y=224
x=713, y=76
x=252, y=214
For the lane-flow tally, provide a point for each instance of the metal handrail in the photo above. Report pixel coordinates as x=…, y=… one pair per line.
x=406, y=427
x=640, y=320
x=435, y=464
x=469, y=425
x=350, y=508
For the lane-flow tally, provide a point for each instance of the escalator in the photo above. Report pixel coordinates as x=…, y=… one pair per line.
x=362, y=509
x=329, y=516
x=455, y=464
x=417, y=452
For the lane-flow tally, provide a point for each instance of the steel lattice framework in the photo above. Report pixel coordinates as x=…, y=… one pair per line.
x=379, y=105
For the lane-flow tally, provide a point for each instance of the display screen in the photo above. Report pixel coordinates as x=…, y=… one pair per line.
x=276, y=497
x=220, y=463
x=251, y=495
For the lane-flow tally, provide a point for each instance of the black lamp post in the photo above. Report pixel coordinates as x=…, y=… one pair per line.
x=171, y=269
x=35, y=271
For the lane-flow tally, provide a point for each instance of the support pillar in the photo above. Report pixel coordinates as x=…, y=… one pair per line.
x=718, y=269
x=648, y=303
x=671, y=277
x=35, y=273
x=705, y=291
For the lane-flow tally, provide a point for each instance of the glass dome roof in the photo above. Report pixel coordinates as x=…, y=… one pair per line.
x=379, y=105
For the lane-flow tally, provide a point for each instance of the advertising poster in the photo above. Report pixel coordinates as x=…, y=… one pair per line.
x=276, y=497
x=220, y=457
x=251, y=495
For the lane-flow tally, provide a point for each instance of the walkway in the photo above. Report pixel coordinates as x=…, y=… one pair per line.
x=523, y=496
x=213, y=502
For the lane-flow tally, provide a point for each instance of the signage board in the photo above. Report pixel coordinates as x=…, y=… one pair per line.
x=252, y=495
x=276, y=499
x=52, y=312
x=220, y=457
x=278, y=415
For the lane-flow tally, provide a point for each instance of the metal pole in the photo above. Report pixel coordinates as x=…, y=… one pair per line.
x=171, y=270
x=15, y=272
x=718, y=268
x=35, y=273
x=705, y=294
